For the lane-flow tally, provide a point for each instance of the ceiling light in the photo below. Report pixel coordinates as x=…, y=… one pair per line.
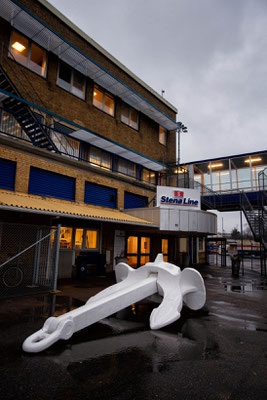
x=253, y=160
x=215, y=165
x=18, y=46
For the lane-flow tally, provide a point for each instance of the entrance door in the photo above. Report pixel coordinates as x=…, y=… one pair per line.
x=138, y=250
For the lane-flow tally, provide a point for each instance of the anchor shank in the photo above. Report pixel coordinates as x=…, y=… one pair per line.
x=99, y=309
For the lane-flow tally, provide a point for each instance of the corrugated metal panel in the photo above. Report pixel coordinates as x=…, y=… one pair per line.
x=41, y=204
x=99, y=195
x=48, y=183
x=132, y=200
x=7, y=174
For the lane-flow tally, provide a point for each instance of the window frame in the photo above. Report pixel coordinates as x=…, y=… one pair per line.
x=123, y=160
x=152, y=176
x=73, y=70
x=30, y=42
x=104, y=92
x=126, y=106
x=164, y=131
x=139, y=254
x=83, y=246
x=101, y=160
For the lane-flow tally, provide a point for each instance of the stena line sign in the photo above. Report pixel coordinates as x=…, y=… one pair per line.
x=173, y=197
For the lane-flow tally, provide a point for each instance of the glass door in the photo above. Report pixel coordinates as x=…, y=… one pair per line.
x=138, y=250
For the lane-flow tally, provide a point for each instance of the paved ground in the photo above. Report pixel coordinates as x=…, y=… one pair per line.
x=219, y=352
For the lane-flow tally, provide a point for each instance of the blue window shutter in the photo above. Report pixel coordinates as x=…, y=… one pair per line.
x=48, y=183
x=132, y=200
x=7, y=174
x=99, y=195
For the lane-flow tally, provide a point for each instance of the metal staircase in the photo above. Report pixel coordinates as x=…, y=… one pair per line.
x=24, y=115
x=257, y=220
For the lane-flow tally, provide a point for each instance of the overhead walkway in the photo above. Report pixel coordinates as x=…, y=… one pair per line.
x=233, y=183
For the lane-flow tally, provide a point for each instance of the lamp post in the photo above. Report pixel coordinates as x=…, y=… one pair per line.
x=181, y=128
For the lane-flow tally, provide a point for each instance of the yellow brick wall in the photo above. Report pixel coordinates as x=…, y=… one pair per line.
x=63, y=103
x=25, y=160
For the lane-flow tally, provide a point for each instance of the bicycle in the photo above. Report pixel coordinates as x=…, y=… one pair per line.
x=12, y=276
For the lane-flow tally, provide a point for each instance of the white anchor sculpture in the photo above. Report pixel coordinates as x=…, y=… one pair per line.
x=133, y=285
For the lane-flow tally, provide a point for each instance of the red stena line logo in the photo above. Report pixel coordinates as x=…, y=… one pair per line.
x=178, y=193
x=178, y=198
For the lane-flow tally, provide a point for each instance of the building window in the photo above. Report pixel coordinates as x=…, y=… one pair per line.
x=86, y=239
x=103, y=101
x=162, y=135
x=28, y=53
x=65, y=238
x=149, y=176
x=100, y=158
x=82, y=239
x=130, y=116
x=165, y=249
x=71, y=80
x=66, y=145
x=138, y=251
x=126, y=167
x=91, y=240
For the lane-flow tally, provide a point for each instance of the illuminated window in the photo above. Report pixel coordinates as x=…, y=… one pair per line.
x=138, y=251
x=149, y=176
x=130, y=116
x=103, y=101
x=91, y=240
x=65, y=238
x=71, y=80
x=165, y=249
x=78, y=239
x=132, y=244
x=100, y=158
x=37, y=59
x=132, y=261
x=162, y=135
x=28, y=53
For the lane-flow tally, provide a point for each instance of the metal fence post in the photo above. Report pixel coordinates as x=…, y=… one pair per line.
x=35, y=277
x=56, y=257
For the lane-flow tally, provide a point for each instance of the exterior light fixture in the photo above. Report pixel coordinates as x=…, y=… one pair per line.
x=215, y=165
x=18, y=46
x=253, y=160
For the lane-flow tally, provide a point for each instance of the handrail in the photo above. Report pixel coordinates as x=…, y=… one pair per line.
x=47, y=128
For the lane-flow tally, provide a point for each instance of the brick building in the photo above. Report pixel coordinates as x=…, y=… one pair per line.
x=83, y=142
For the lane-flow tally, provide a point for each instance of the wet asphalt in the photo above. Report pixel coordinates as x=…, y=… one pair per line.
x=219, y=352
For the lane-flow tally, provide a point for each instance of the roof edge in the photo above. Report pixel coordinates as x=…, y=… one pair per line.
x=253, y=153
x=93, y=43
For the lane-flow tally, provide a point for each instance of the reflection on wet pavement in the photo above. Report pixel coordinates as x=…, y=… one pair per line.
x=121, y=358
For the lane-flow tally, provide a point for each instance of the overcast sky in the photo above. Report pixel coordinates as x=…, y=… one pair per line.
x=210, y=57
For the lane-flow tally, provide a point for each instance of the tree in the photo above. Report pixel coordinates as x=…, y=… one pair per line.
x=235, y=234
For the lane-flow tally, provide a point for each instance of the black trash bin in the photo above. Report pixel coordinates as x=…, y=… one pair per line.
x=235, y=266
x=101, y=265
x=81, y=268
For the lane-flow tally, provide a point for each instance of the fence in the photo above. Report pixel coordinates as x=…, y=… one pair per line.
x=28, y=259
